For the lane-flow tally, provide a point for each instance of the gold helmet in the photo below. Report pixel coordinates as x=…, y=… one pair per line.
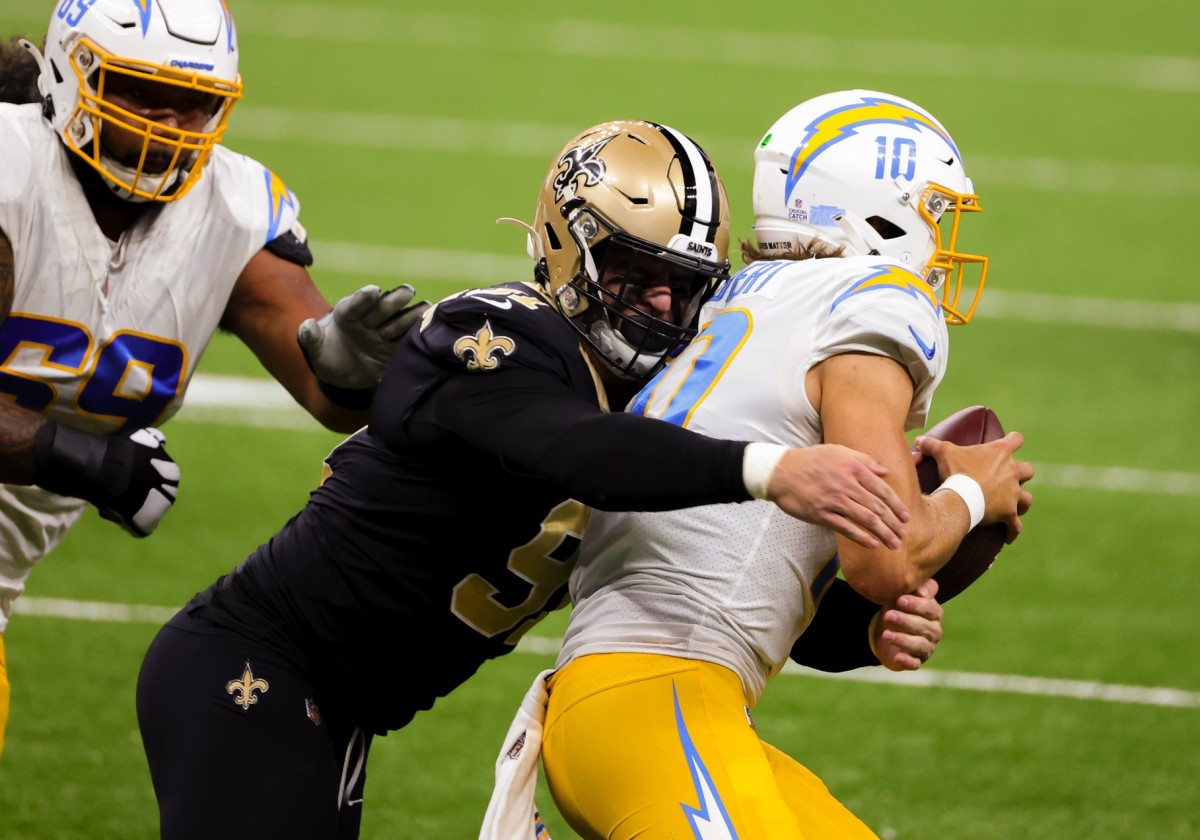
x=629, y=211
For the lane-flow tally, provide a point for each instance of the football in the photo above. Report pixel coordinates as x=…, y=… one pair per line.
x=980, y=547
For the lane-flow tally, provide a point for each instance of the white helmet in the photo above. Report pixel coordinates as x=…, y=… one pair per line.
x=185, y=44
x=871, y=173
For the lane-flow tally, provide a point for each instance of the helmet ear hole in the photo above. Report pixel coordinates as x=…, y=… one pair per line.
x=552, y=238
x=885, y=228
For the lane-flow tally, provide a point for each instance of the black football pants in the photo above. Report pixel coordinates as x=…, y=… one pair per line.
x=239, y=745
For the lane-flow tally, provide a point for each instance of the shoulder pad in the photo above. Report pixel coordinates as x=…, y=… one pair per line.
x=888, y=310
x=258, y=199
x=489, y=329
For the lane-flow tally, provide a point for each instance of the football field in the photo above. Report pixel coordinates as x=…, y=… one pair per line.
x=1064, y=701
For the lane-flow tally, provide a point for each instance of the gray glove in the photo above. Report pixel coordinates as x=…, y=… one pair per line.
x=350, y=347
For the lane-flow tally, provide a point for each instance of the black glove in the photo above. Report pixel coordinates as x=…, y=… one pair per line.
x=131, y=479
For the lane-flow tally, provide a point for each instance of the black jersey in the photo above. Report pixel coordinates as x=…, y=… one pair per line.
x=447, y=527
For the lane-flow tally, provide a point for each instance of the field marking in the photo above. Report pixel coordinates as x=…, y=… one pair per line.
x=406, y=132
x=65, y=608
x=485, y=269
x=263, y=403
x=993, y=683
x=690, y=45
x=93, y=610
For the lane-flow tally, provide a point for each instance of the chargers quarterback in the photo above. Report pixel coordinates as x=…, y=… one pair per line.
x=128, y=236
x=834, y=332
x=447, y=527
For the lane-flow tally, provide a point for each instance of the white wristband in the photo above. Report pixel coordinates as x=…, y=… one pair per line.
x=758, y=464
x=969, y=491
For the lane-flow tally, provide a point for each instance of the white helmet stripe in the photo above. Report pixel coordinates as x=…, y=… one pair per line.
x=702, y=208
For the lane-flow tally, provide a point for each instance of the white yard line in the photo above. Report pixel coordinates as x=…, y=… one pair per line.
x=779, y=49
x=585, y=40
x=406, y=132
x=263, y=403
x=483, y=269
x=63, y=608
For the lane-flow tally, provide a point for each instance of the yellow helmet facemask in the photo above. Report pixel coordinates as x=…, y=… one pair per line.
x=946, y=269
x=141, y=91
x=188, y=150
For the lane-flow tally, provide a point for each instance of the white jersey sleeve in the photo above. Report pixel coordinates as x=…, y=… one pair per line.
x=889, y=311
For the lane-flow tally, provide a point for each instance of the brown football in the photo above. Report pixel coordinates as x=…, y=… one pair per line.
x=979, y=548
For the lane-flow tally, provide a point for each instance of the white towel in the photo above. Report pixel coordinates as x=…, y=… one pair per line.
x=512, y=813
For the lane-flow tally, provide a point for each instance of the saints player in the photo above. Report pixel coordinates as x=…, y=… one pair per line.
x=447, y=527
x=127, y=237
x=681, y=618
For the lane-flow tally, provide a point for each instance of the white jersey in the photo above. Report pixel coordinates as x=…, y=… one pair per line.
x=105, y=336
x=735, y=584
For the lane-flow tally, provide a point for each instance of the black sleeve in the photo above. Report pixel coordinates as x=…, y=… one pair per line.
x=837, y=638
x=611, y=461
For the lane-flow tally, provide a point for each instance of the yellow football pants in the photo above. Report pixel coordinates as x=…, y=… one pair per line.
x=659, y=748
x=4, y=690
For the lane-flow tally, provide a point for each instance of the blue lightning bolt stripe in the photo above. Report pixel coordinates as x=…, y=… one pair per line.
x=840, y=123
x=278, y=197
x=892, y=277
x=709, y=819
x=144, y=9
x=228, y=25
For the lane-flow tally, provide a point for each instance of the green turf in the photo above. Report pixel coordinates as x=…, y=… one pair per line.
x=1078, y=120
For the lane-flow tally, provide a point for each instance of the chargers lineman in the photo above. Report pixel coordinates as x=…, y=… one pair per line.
x=127, y=237
x=682, y=617
x=447, y=527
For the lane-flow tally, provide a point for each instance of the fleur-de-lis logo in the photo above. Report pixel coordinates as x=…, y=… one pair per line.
x=581, y=160
x=479, y=351
x=245, y=688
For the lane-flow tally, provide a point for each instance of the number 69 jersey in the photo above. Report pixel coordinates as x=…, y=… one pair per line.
x=104, y=336
x=737, y=584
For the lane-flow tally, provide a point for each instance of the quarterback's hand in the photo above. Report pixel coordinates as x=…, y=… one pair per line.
x=350, y=347
x=842, y=489
x=905, y=634
x=131, y=480
x=992, y=465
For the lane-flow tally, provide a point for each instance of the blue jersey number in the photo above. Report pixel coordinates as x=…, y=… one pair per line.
x=106, y=390
x=679, y=389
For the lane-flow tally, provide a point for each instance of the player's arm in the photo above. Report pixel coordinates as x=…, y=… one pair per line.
x=270, y=299
x=611, y=461
x=328, y=358
x=524, y=411
x=848, y=631
x=615, y=461
x=864, y=400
